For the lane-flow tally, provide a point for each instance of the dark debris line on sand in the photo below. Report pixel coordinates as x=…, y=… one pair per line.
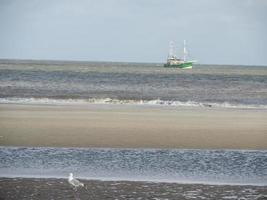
x=43, y=189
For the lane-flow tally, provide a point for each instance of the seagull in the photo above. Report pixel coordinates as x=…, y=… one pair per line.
x=74, y=182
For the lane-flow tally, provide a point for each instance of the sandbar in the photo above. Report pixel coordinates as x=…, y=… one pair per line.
x=132, y=126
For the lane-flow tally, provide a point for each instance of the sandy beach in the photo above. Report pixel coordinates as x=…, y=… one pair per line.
x=130, y=126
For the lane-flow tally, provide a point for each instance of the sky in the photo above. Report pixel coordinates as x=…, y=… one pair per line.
x=216, y=31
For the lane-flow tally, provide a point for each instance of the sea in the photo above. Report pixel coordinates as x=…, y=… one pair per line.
x=59, y=82
x=132, y=173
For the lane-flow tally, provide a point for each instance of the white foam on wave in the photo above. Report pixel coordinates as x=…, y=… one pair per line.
x=155, y=102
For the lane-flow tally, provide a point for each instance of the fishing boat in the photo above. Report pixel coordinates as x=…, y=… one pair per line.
x=174, y=62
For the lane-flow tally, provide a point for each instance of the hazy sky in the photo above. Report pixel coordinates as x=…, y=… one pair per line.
x=217, y=31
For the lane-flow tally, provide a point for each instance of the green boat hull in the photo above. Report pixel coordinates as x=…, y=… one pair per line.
x=186, y=65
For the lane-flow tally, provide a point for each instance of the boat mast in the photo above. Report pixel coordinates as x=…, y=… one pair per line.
x=185, y=52
x=171, y=50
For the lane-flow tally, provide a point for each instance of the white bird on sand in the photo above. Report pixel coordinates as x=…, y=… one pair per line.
x=74, y=182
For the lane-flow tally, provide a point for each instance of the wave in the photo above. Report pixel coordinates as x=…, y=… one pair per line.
x=155, y=102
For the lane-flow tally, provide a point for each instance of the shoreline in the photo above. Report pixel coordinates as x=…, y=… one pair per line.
x=43, y=101
x=181, y=182
x=132, y=126
x=60, y=189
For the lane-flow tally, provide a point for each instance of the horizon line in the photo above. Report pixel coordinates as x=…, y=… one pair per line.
x=108, y=61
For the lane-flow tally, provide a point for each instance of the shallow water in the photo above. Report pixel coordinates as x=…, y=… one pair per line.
x=170, y=165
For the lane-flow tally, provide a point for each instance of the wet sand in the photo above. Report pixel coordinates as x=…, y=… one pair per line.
x=26, y=188
x=129, y=126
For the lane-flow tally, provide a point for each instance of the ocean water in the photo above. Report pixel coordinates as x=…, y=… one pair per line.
x=229, y=167
x=92, y=82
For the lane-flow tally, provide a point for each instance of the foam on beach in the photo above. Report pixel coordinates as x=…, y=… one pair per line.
x=155, y=102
